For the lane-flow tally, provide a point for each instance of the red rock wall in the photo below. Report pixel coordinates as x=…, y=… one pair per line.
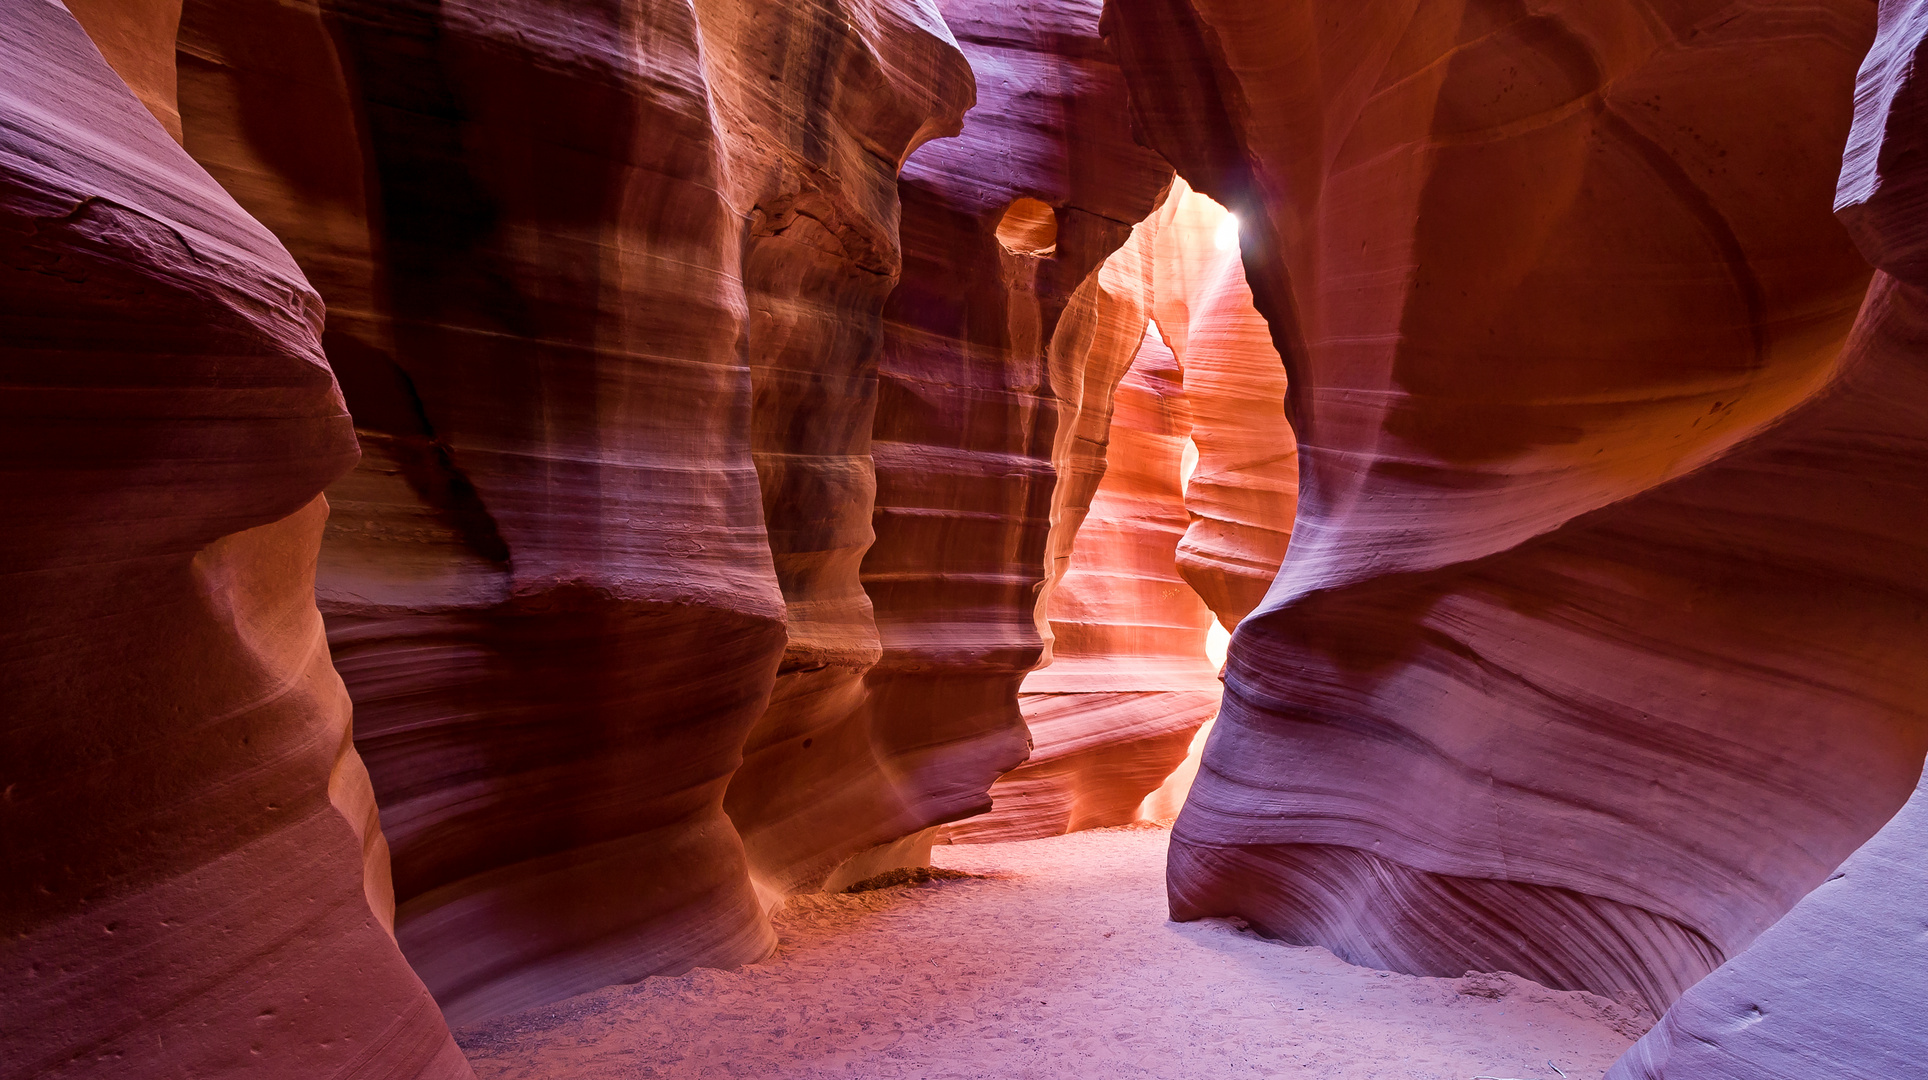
x=604, y=288
x=968, y=411
x=1596, y=646
x=1113, y=711
x=1128, y=683
x=1243, y=493
x=196, y=881
x=1833, y=988
x=607, y=302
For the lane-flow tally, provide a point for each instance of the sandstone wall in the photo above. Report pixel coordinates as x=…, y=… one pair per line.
x=607, y=298
x=196, y=882
x=1593, y=651
x=1243, y=494
x=1834, y=987
x=1128, y=683
x=1001, y=226
x=604, y=286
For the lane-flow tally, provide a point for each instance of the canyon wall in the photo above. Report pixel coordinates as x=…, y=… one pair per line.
x=196, y=880
x=1000, y=226
x=1127, y=680
x=607, y=299
x=1128, y=683
x=1834, y=988
x=1243, y=494
x=603, y=287
x=1596, y=647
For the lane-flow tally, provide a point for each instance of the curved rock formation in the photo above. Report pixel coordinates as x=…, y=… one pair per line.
x=599, y=283
x=196, y=881
x=1128, y=683
x=1834, y=988
x=1114, y=711
x=966, y=424
x=606, y=292
x=1592, y=651
x=1244, y=492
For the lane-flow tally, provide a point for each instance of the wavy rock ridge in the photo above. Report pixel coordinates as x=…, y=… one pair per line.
x=1572, y=668
x=606, y=298
x=626, y=656
x=196, y=883
x=1833, y=988
x=1127, y=681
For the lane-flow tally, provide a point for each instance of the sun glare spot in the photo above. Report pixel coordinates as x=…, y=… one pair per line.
x=1227, y=237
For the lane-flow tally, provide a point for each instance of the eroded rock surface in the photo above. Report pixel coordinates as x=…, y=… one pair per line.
x=1129, y=682
x=1571, y=669
x=1834, y=988
x=607, y=299
x=604, y=287
x=1000, y=227
x=1243, y=493
x=196, y=882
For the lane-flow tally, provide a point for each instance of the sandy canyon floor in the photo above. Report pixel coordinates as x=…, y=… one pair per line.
x=1055, y=958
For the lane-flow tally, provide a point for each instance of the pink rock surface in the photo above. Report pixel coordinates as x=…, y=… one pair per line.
x=604, y=287
x=196, y=881
x=969, y=395
x=1834, y=988
x=1570, y=670
x=1129, y=682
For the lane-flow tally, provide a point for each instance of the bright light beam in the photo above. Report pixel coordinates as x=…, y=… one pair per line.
x=1227, y=236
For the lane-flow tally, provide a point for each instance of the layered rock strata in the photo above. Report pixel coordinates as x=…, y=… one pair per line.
x=1243, y=493
x=604, y=289
x=606, y=298
x=1112, y=713
x=1592, y=651
x=196, y=882
x=1000, y=227
x=1129, y=682
x=1834, y=988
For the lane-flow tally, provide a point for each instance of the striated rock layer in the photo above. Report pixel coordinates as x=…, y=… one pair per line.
x=1243, y=493
x=1597, y=643
x=607, y=296
x=1129, y=682
x=1834, y=988
x=196, y=882
x=604, y=286
x=1000, y=226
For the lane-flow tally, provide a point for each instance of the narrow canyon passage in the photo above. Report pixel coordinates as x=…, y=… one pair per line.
x=680, y=538
x=1054, y=958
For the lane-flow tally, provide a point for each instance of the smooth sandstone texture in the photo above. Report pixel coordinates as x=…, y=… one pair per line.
x=196, y=883
x=1129, y=682
x=1835, y=987
x=853, y=764
x=1000, y=227
x=603, y=287
x=605, y=292
x=1597, y=644
x=1243, y=493
x=1113, y=712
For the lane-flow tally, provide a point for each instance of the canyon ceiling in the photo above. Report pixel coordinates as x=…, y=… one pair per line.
x=502, y=494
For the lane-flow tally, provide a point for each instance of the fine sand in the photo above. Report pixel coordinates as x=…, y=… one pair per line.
x=1057, y=960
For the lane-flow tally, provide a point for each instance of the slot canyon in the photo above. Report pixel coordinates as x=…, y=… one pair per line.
x=588, y=539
